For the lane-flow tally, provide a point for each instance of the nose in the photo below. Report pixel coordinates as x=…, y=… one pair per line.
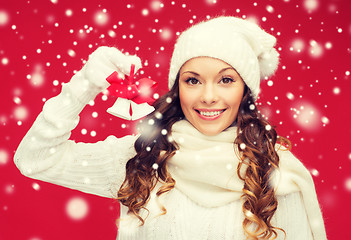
x=208, y=94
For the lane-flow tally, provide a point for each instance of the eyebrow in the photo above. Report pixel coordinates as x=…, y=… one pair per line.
x=225, y=69
x=196, y=74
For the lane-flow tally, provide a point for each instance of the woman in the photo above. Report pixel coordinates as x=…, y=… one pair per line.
x=206, y=165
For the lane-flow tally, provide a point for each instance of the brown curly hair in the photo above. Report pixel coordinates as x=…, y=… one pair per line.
x=256, y=141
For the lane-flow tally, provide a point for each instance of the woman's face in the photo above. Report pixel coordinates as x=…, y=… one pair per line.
x=210, y=92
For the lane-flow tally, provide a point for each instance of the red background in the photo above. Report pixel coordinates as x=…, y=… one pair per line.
x=306, y=99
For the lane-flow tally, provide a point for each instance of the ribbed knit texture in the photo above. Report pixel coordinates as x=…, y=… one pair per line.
x=46, y=154
x=186, y=220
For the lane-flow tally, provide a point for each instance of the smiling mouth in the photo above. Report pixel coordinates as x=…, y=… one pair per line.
x=210, y=113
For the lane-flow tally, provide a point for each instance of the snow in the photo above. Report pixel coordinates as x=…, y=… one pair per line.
x=4, y=157
x=77, y=208
x=47, y=41
x=4, y=18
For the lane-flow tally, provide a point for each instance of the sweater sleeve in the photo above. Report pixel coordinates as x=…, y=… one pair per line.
x=46, y=154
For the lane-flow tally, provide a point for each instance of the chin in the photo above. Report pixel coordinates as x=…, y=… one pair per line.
x=208, y=132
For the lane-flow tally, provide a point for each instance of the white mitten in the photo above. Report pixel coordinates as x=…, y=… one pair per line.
x=101, y=63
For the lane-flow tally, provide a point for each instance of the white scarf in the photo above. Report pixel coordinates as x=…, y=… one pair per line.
x=204, y=169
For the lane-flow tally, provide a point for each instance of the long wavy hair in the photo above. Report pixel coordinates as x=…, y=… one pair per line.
x=256, y=141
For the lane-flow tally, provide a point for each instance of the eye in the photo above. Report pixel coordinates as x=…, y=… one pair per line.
x=192, y=81
x=227, y=80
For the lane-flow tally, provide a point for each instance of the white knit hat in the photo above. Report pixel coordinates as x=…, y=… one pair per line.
x=240, y=43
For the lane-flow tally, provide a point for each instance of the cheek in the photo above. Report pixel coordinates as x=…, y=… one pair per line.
x=186, y=99
x=234, y=99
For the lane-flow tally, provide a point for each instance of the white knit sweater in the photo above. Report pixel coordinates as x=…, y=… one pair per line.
x=46, y=154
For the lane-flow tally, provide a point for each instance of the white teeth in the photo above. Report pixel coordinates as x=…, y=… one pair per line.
x=211, y=114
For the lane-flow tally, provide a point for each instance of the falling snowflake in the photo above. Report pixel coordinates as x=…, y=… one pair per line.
x=307, y=116
x=5, y=61
x=325, y=120
x=36, y=186
x=155, y=166
x=77, y=208
x=290, y=96
x=315, y=49
x=69, y=12
x=21, y=113
x=4, y=157
x=9, y=188
x=101, y=18
x=336, y=90
x=269, y=9
x=4, y=18
x=311, y=5
x=36, y=78
x=166, y=34
x=145, y=12
x=156, y=5
x=297, y=45
x=348, y=184
x=315, y=172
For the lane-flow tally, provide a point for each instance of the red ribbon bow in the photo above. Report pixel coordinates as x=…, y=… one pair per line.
x=138, y=91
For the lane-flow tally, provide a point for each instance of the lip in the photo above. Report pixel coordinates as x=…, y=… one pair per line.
x=209, y=118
